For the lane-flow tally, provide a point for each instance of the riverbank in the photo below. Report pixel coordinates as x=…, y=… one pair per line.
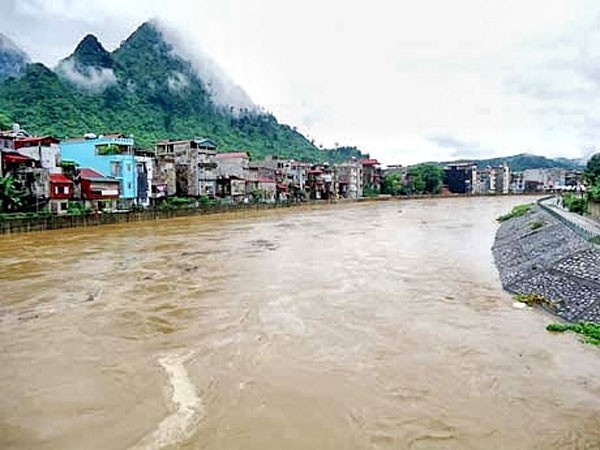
x=539, y=254
x=27, y=223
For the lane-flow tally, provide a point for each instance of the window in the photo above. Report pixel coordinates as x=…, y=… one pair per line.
x=128, y=168
x=66, y=189
x=128, y=185
x=64, y=206
x=115, y=168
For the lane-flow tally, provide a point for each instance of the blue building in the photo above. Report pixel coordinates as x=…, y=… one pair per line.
x=112, y=155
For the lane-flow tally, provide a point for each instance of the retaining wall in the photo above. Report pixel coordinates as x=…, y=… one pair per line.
x=555, y=261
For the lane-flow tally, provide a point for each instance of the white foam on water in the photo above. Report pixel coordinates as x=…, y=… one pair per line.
x=188, y=407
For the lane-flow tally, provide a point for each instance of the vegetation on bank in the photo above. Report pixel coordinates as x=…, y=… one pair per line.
x=421, y=179
x=517, y=211
x=589, y=332
x=537, y=224
x=575, y=204
x=532, y=299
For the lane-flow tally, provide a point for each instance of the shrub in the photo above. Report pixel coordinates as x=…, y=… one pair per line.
x=537, y=224
x=575, y=204
x=517, y=211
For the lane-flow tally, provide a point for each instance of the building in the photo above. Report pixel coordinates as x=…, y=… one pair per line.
x=30, y=179
x=62, y=190
x=321, y=184
x=349, y=179
x=187, y=168
x=502, y=182
x=371, y=169
x=110, y=156
x=232, y=171
x=461, y=178
x=144, y=169
x=98, y=192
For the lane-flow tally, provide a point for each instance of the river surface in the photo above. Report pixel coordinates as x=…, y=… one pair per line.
x=365, y=326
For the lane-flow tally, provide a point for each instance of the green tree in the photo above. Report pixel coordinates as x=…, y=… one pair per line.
x=425, y=179
x=592, y=176
x=10, y=196
x=392, y=184
x=5, y=121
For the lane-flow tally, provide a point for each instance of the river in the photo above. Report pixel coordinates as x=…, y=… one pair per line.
x=364, y=326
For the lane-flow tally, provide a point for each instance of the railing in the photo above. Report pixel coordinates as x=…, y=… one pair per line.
x=583, y=232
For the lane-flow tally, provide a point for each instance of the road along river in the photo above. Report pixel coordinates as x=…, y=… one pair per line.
x=367, y=326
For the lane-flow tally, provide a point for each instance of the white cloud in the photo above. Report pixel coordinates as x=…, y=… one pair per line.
x=95, y=79
x=177, y=81
x=387, y=75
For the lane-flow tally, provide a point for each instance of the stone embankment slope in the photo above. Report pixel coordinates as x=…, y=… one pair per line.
x=552, y=261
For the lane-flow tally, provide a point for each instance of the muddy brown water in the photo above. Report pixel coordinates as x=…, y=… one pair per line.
x=371, y=326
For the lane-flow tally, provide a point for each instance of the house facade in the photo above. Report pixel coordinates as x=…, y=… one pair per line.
x=111, y=156
x=187, y=168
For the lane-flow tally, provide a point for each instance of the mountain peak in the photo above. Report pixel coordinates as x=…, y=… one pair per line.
x=90, y=52
x=13, y=60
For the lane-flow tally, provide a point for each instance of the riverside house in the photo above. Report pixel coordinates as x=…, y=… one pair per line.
x=187, y=168
x=232, y=171
x=61, y=191
x=99, y=193
x=109, y=156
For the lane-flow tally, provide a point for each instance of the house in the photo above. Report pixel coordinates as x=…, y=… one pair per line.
x=232, y=169
x=349, y=179
x=461, y=178
x=109, y=155
x=144, y=169
x=29, y=178
x=61, y=191
x=321, y=183
x=371, y=175
x=98, y=192
x=187, y=168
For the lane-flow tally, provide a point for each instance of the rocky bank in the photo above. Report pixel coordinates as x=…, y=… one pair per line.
x=552, y=261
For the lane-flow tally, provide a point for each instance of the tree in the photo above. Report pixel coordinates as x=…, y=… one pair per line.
x=425, y=179
x=592, y=176
x=10, y=195
x=392, y=184
x=5, y=121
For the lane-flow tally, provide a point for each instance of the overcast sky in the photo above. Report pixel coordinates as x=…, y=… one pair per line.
x=407, y=81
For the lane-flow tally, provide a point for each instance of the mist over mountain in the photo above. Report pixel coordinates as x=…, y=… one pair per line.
x=153, y=86
x=13, y=60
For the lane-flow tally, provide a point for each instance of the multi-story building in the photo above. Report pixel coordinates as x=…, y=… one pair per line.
x=461, y=178
x=371, y=169
x=109, y=155
x=187, y=168
x=232, y=171
x=349, y=179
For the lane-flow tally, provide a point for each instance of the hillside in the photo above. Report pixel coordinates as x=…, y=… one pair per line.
x=524, y=161
x=13, y=60
x=144, y=88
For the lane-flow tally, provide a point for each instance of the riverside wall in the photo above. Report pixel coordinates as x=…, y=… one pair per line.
x=554, y=261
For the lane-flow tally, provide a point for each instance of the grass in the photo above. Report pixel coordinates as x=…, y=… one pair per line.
x=589, y=332
x=595, y=240
x=517, y=211
x=537, y=224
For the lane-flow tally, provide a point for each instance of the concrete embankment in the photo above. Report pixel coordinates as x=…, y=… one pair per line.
x=538, y=254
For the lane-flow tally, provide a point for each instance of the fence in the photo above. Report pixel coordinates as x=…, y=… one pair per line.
x=581, y=231
x=53, y=222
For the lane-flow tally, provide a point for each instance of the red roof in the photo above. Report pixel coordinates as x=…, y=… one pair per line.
x=369, y=162
x=35, y=140
x=59, y=178
x=232, y=155
x=265, y=180
x=90, y=173
x=281, y=187
x=16, y=158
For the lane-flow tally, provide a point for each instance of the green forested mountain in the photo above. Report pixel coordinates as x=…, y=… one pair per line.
x=523, y=161
x=145, y=89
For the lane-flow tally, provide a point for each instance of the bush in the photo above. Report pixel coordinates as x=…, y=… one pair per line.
x=575, y=204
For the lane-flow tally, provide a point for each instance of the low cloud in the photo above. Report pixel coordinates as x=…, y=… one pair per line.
x=223, y=91
x=177, y=81
x=91, y=79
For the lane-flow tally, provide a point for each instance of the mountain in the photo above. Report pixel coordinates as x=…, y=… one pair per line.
x=13, y=60
x=146, y=88
x=524, y=161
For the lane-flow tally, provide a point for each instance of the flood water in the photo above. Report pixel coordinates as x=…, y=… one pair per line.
x=371, y=326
